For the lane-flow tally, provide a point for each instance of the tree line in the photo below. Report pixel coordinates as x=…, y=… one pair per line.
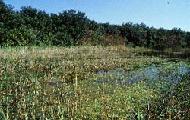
x=30, y=26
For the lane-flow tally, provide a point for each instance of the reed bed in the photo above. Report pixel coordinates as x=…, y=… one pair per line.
x=57, y=83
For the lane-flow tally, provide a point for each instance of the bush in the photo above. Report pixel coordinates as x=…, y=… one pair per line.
x=20, y=36
x=45, y=38
x=2, y=33
x=63, y=39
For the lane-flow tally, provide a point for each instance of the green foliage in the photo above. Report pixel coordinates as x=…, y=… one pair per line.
x=63, y=39
x=2, y=33
x=46, y=39
x=20, y=36
x=97, y=37
x=70, y=28
x=2, y=115
x=5, y=12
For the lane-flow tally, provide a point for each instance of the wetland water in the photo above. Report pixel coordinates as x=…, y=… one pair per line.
x=169, y=73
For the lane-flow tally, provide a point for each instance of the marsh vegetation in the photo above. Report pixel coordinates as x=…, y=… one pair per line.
x=91, y=83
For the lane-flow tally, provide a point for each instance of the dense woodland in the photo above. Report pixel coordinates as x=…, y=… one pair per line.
x=31, y=26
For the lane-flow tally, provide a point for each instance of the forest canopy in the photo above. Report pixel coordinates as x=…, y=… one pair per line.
x=31, y=26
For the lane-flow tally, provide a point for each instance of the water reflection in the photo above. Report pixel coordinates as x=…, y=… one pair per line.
x=152, y=73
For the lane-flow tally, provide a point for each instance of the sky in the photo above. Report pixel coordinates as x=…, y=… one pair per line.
x=157, y=13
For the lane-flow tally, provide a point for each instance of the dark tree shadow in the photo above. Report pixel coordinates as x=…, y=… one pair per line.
x=163, y=54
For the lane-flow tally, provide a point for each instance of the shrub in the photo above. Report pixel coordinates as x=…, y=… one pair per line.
x=20, y=36
x=63, y=39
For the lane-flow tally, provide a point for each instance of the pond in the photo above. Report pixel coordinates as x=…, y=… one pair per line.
x=171, y=73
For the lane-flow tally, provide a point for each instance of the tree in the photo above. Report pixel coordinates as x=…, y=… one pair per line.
x=6, y=14
x=20, y=36
x=31, y=26
x=187, y=39
x=75, y=23
x=37, y=19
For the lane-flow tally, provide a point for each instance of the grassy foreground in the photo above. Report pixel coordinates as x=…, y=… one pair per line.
x=56, y=83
